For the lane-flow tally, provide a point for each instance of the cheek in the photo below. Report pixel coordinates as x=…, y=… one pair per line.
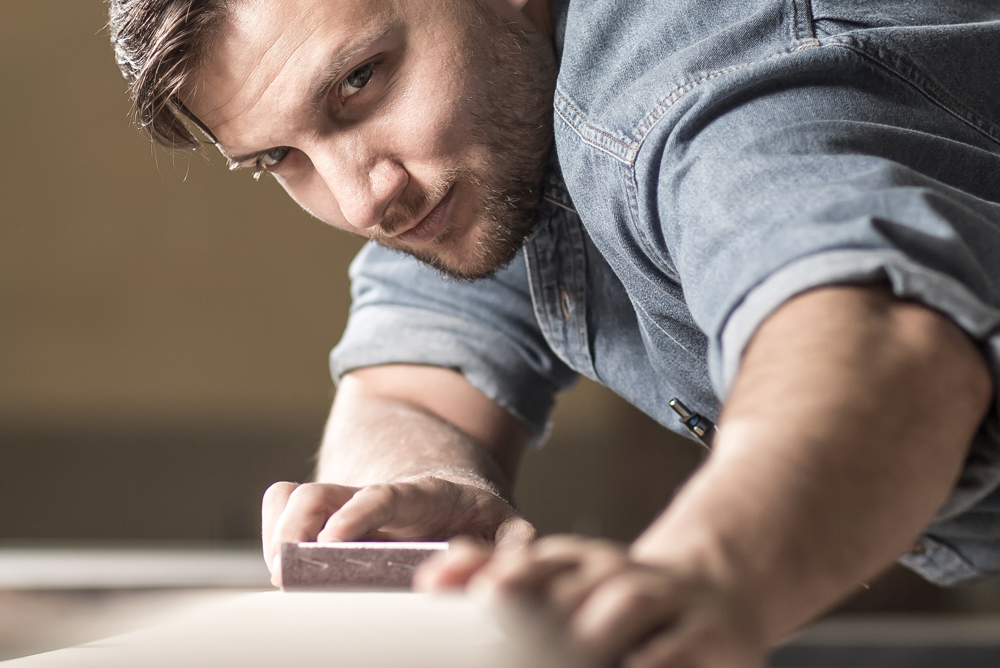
x=430, y=112
x=429, y=128
x=316, y=199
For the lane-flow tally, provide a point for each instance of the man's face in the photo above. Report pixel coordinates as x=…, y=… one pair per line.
x=424, y=125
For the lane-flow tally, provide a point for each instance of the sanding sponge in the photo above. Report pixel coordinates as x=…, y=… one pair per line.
x=378, y=565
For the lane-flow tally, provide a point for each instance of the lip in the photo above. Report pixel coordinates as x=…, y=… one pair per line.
x=431, y=225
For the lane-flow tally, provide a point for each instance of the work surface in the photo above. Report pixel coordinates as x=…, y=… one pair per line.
x=376, y=629
x=184, y=608
x=393, y=629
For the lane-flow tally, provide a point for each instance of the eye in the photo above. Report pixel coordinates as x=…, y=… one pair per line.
x=269, y=159
x=274, y=156
x=357, y=80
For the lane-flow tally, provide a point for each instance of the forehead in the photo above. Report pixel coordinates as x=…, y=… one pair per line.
x=273, y=48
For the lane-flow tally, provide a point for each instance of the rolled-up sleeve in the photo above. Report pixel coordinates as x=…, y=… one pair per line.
x=853, y=176
x=404, y=312
x=908, y=280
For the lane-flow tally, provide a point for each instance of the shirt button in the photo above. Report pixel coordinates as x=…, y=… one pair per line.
x=566, y=303
x=918, y=549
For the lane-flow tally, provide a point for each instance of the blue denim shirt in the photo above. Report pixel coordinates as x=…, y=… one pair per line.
x=712, y=161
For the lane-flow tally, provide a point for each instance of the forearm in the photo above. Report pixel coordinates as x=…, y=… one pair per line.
x=844, y=433
x=372, y=440
x=392, y=423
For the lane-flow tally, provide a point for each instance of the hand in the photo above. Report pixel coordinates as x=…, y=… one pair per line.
x=418, y=508
x=612, y=608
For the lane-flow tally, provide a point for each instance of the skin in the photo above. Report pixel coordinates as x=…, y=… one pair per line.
x=846, y=428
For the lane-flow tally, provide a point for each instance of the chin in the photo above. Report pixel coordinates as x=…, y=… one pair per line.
x=480, y=252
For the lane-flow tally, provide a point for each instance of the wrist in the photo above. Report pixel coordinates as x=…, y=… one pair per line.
x=732, y=601
x=708, y=544
x=459, y=476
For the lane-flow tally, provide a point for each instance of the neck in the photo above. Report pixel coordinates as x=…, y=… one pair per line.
x=533, y=14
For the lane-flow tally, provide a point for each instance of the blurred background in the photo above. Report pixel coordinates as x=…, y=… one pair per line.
x=165, y=329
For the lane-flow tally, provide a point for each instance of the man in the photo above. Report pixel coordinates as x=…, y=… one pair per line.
x=785, y=204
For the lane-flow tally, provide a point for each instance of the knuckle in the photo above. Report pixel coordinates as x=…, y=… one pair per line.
x=626, y=592
x=432, y=487
x=517, y=529
x=609, y=561
x=380, y=493
x=309, y=493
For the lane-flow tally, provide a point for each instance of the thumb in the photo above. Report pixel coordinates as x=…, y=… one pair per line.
x=271, y=507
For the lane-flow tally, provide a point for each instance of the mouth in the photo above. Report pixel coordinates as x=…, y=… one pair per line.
x=431, y=225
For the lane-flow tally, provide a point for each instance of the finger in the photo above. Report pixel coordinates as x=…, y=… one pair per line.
x=564, y=570
x=364, y=514
x=408, y=510
x=526, y=569
x=622, y=611
x=308, y=508
x=522, y=571
x=603, y=561
x=452, y=568
x=274, y=502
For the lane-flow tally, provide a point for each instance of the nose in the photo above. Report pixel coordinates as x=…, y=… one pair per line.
x=363, y=186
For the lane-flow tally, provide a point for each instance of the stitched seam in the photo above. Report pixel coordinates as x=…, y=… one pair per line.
x=678, y=93
x=661, y=108
x=803, y=23
x=589, y=142
x=592, y=128
x=795, y=21
x=916, y=78
x=579, y=282
x=807, y=20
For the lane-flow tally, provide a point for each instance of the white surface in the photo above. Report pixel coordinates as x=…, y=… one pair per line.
x=35, y=621
x=305, y=630
x=111, y=568
x=380, y=545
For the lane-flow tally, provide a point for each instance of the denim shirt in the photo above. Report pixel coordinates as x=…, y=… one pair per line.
x=712, y=161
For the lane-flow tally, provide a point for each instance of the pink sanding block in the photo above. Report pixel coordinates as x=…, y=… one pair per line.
x=377, y=565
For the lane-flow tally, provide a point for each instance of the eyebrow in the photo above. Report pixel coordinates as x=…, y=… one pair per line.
x=321, y=87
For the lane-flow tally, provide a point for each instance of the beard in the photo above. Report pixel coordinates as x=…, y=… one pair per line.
x=514, y=75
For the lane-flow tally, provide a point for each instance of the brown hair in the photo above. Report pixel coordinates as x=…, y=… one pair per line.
x=158, y=45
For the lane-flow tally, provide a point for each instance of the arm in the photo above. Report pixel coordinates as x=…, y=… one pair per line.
x=845, y=431
x=409, y=452
x=434, y=413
